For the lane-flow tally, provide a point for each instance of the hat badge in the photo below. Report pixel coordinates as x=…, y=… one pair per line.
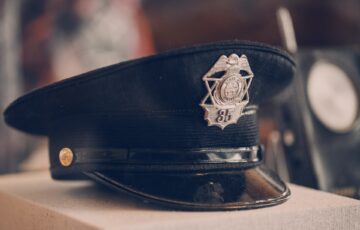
x=227, y=84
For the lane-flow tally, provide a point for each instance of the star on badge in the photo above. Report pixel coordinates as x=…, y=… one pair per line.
x=227, y=83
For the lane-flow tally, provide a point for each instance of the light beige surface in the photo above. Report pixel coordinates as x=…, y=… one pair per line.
x=34, y=201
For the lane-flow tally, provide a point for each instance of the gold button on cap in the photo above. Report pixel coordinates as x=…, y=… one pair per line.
x=66, y=157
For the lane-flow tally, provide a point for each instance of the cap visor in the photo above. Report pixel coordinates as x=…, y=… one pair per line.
x=224, y=190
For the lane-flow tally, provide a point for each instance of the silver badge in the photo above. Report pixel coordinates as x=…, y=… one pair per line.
x=227, y=83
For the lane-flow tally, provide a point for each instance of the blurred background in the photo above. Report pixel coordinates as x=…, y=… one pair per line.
x=45, y=41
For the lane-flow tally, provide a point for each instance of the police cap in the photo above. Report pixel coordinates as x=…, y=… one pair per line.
x=177, y=128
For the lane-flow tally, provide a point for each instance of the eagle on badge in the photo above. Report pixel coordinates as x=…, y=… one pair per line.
x=227, y=83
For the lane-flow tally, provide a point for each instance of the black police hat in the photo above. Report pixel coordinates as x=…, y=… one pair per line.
x=177, y=128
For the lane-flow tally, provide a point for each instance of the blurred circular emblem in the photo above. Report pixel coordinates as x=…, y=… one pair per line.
x=333, y=97
x=228, y=93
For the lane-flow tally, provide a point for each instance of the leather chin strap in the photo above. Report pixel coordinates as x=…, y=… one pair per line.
x=160, y=160
x=168, y=156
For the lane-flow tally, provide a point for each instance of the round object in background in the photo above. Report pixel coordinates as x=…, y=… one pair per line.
x=333, y=97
